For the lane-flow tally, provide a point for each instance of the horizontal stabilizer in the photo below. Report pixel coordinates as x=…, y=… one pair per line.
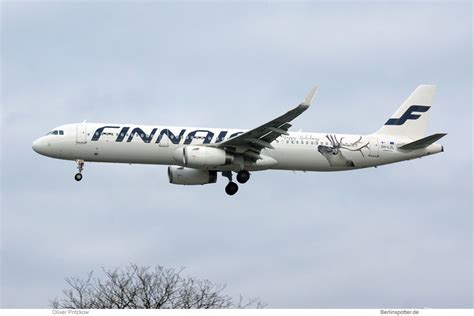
x=423, y=142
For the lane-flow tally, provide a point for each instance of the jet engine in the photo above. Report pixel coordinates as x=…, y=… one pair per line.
x=190, y=176
x=203, y=156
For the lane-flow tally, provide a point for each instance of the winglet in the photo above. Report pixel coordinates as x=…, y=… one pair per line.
x=309, y=98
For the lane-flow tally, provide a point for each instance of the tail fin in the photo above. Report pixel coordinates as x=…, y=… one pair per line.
x=411, y=119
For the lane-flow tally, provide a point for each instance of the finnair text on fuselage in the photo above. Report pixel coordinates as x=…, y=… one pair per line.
x=147, y=134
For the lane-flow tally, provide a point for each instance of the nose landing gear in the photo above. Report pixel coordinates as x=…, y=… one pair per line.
x=80, y=167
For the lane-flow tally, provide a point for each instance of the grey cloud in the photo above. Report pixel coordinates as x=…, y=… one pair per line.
x=352, y=239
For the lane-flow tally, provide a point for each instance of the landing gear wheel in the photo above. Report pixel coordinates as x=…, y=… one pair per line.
x=243, y=176
x=231, y=188
x=80, y=167
x=78, y=176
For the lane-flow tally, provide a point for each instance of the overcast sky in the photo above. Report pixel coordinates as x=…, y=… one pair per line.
x=395, y=236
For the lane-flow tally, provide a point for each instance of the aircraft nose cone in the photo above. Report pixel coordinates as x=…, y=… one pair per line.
x=38, y=146
x=35, y=146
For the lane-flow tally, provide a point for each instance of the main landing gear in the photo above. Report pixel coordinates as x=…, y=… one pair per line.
x=80, y=167
x=242, y=177
x=231, y=188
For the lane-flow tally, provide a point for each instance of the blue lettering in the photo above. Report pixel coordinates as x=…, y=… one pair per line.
x=99, y=132
x=142, y=135
x=207, y=139
x=122, y=134
x=172, y=137
x=221, y=136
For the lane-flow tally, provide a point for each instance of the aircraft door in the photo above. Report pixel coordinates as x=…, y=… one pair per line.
x=374, y=147
x=81, y=134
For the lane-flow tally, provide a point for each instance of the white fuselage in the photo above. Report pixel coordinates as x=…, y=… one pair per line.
x=134, y=144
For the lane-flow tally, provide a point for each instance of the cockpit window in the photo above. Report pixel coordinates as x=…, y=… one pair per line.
x=56, y=132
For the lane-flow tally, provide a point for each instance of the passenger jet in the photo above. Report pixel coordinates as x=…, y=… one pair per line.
x=196, y=155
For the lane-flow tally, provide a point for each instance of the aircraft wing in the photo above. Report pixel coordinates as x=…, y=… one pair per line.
x=253, y=141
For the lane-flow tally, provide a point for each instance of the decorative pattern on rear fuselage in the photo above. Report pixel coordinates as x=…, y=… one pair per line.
x=334, y=153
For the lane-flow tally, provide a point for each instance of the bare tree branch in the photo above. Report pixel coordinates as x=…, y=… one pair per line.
x=144, y=287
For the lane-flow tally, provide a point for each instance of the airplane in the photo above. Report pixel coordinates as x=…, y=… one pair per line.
x=196, y=155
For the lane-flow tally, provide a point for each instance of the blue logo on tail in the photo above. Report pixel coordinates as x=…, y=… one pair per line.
x=408, y=115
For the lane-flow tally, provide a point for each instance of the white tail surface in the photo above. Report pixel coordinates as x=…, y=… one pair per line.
x=411, y=119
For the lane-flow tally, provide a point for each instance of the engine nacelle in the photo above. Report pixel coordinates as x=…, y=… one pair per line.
x=202, y=156
x=190, y=176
